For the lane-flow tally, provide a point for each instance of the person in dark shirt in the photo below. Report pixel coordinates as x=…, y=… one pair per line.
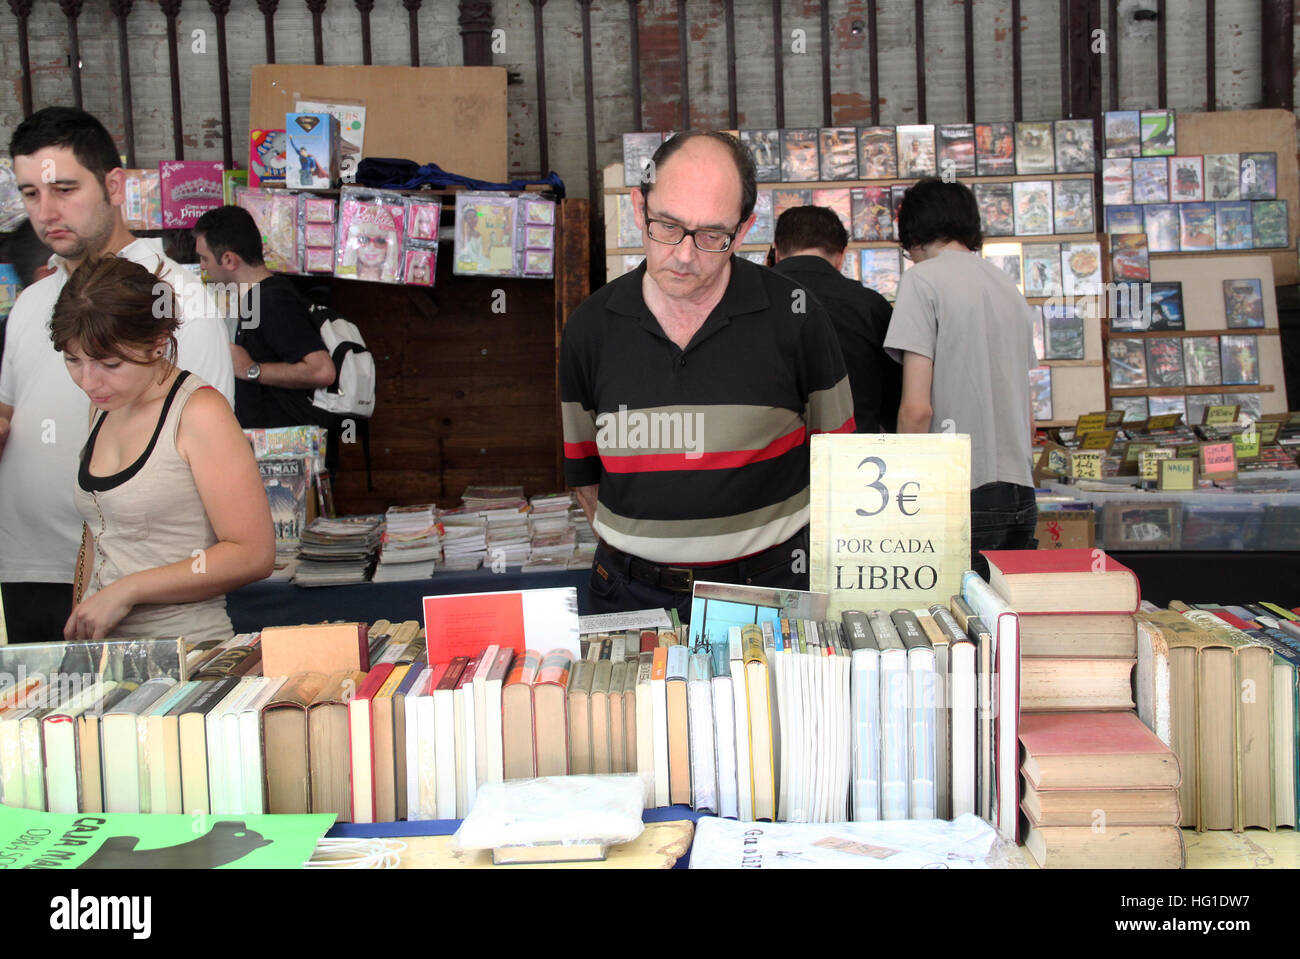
x=278, y=354
x=810, y=244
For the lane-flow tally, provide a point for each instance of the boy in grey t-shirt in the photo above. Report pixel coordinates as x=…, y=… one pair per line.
x=964, y=335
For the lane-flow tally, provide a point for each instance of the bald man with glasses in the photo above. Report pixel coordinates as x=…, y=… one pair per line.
x=689, y=389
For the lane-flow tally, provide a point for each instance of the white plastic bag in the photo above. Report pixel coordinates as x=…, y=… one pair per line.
x=554, y=809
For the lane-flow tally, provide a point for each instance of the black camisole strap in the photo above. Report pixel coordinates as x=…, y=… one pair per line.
x=101, y=484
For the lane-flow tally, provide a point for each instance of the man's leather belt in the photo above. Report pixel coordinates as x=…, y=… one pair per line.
x=681, y=579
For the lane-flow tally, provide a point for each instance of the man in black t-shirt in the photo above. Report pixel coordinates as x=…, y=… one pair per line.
x=810, y=245
x=278, y=354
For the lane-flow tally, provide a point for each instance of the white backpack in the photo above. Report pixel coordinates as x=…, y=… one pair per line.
x=353, y=391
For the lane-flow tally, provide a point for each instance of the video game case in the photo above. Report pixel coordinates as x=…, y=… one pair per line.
x=1128, y=363
x=1157, y=133
x=1035, y=150
x=1117, y=181
x=1222, y=176
x=873, y=218
x=995, y=149
x=1258, y=176
x=916, y=151
x=877, y=153
x=1197, y=226
x=838, y=148
x=1073, y=204
x=1232, y=230
x=996, y=204
x=1033, y=201
x=1122, y=133
x=638, y=149
x=1270, y=224
x=1151, y=180
x=765, y=147
x=1076, y=147
x=799, y=156
x=1162, y=226
x=1164, y=362
x=955, y=146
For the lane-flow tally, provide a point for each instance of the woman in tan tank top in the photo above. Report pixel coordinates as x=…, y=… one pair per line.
x=176, y=514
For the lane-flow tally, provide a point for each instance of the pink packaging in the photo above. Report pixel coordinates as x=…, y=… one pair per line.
x=370, y=235
x=189, y=189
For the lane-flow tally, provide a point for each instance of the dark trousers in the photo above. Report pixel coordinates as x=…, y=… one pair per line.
x=613, y=590
x=1002, y=516
x=36, y=612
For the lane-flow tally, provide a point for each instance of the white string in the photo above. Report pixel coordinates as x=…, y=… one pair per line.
x=356, y=854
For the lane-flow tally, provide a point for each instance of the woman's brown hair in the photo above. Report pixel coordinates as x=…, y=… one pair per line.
x=109, y=305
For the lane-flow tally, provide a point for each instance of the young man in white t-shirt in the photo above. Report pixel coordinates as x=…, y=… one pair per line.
x=69, y=174
x=964, y=335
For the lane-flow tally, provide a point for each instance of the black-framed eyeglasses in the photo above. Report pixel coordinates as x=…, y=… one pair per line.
x=706, y=241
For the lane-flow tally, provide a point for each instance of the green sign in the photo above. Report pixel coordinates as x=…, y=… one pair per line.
x=41, y=840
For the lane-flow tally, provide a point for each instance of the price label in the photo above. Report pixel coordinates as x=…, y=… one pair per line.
x=1219, y=416
x=1134, y=449
x=1165, y=421
x=1114, y=419
x=1218, y=459
x=889, y=518
x=1086, y=464
x=1268, y=430
x=1098, y=440
x=1149, y=462
x=1090, y=422
x=1177, y=474
x=1247, y=444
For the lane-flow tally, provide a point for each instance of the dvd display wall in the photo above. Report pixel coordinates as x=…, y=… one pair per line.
x=1035, y=185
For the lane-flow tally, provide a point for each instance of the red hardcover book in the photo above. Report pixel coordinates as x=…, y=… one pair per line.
x=1231, y=619
x=1059, y=581
x=361, y=744
x=1111, y=750
x=649, y=640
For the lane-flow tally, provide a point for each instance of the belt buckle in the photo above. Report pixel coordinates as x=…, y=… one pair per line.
x=676, y=578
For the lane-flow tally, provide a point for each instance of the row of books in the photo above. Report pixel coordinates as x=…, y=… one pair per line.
x=899, y=152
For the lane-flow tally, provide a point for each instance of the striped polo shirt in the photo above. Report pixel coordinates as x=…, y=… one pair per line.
x=701, y=454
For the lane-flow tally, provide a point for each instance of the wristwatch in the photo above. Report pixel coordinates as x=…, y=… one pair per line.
x=254, y=371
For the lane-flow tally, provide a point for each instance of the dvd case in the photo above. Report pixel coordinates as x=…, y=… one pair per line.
x=1151, y=180
x=638, y=150
x=1007, y=258
x=1233, y=226
x=1222, y=176
x=1081, y=268
x=1035, y=152
x=1129, y=257
x=1123, y=133
x=997, y=208
x=1186, y=179
x=1269, y=224
x=1197, y=226
x=1074, y=211
x=1243, y=303
x=1165, y=306
x=764, y=228
x=1040, y=392
x=1033, y=202
x=1162, y=227
x=1157, y=130
x=873, y=218
x=955, y=143
x=1201, y=361
x=880, y=271
x=1117, y=181
x=839, y=153
x=1164, y=362
x=1128, y=363
x=1042, y=269
x=1258, y=176
x=995, y=149
x=836, y=199
x=1063, y=331
x=1124, y=219
x=799, y=155
x=877, y=153
x=916, y=151
x=1239, y=360
x=765, y=147
x=1076, y=148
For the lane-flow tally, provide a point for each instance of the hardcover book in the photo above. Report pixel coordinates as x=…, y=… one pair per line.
x=995, y=149
x=877, y=153
x=1076, y=149
x=1035, y=152
x=799, y=159
x=765, y=147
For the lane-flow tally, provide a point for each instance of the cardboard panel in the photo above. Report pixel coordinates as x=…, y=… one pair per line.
x=452, y=116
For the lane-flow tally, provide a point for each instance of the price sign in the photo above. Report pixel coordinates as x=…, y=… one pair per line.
x=1268, y=430
x=1177, y=474
x=1089, y=422
x=1114, y=419
x=1131, y=454
x=1165, y=421
x=1219, y=459
x=1086, y=464
x=1219, y=416
x=1247, y=444
x=1098, y=440
x=1149, y=462
x=889, y=518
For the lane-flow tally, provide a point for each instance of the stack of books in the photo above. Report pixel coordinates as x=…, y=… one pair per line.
x=551, y=534
x=1100, y=789
x=1219, y=687
x=411, y=545
x=338, y=552
x=464, y=538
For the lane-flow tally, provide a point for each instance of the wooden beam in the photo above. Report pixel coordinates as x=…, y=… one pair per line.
x=920, y=62
x=171, y=10
x=1278, y=43
x=413, y=28
x=634, y=42
x=121, y=9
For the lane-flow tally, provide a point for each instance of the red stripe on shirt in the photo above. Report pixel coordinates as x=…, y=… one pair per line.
x=727, y=459
x=848, y=426
x=580, y=451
